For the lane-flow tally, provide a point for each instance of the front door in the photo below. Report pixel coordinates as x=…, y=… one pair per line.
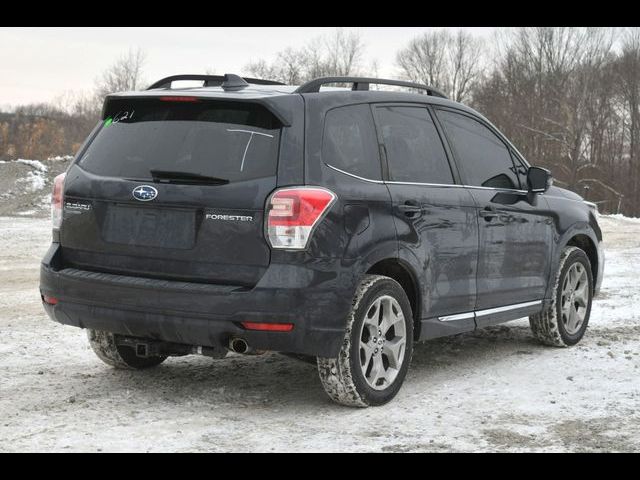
x=514, y=235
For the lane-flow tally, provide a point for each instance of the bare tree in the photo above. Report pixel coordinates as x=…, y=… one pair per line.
x=79, y=104
x=465, y=63
x=424, y=60
x=449, y=62
x=629, y=85
x=344, y=53
x=261, y=69
x=291, y=66
x=338, y=55
x=123, y=75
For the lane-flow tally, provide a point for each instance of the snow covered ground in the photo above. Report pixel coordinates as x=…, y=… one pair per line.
x=492, y=390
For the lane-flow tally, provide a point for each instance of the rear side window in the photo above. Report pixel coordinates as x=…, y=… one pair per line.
x=414, y=149
x=349, y=141
x=484, y=159
x=232, y=141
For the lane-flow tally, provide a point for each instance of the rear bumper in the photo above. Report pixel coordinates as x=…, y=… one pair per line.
x=314, y=297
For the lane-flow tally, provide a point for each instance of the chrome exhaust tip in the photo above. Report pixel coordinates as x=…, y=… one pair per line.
x=239, y=345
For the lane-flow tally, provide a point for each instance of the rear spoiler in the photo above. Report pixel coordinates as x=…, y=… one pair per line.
x=270, y=103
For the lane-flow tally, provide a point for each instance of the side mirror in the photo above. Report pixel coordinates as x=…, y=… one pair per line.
x=538, y=179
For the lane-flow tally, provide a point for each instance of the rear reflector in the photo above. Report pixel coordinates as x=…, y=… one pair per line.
x=179, y=99
x=269, y=327
x=293, y=213
x=49, y=300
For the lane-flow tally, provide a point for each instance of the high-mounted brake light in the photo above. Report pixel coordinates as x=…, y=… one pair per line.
x=179, y=99
x=57, y=199
x=292, y=214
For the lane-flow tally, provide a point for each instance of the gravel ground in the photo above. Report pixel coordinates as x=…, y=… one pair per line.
x=25, y=185
x=491, y=390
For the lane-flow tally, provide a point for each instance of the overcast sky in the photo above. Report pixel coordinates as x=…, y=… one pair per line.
x=38, y=64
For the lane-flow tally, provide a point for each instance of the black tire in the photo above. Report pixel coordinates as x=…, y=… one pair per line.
x=549, y=326
x=343, y=377
x=119, y=356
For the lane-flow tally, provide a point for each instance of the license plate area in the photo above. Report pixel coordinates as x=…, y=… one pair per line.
x=150, y=227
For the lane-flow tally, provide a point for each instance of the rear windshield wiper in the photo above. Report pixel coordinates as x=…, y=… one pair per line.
x=169, y=176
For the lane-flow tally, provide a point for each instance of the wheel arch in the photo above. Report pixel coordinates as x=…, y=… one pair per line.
x=586, y=243
x=402, y=273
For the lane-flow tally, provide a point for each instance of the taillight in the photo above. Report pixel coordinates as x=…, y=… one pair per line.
x=57, y=199
x=292, y=214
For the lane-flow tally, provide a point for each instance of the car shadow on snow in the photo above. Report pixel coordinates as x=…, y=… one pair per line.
x=273, y=379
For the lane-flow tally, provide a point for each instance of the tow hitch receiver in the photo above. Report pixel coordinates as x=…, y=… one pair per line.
x=145, y=348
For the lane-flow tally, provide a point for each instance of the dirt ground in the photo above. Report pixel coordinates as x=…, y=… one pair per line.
x=492, y=390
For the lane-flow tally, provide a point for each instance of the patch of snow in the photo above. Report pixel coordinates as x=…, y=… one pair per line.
x=34, y=181
x=60, y=158
x=26, y=213
x=619, y=216
x=37, y=164
x=45, y=201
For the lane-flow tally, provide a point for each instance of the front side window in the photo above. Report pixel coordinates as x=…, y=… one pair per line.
x=484, y=159
x=349, y=141
x=414, y=149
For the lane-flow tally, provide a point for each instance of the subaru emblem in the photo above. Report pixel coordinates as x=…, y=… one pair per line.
x=145, y=193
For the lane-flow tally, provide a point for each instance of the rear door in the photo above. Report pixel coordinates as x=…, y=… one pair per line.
x=174, y=189
x=435, y=218
x=515, y=235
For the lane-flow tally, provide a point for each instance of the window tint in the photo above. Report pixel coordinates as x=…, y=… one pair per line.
x=232, y=141
x=414, y=149
x=349, y=141
x=484, y=159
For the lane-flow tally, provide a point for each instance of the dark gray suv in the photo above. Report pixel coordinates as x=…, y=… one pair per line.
x=335, y=223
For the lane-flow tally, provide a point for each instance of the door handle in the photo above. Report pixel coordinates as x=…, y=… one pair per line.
x=411, y=209
x=488, y=213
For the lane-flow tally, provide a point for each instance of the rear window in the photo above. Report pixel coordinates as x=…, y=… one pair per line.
x=349, y=141
x=229, y=140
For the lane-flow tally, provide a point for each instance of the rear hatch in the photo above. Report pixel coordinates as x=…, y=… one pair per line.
x=173, y=188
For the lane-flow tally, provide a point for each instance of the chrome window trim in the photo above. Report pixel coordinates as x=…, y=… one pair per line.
x=353, y=175
x=456, y=185
x=488, y=311
x=393, y=182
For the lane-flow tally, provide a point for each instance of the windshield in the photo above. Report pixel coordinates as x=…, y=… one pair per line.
x=225, y=140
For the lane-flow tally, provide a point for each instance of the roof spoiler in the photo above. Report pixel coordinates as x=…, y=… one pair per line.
x=228, y=81
x=362, y=83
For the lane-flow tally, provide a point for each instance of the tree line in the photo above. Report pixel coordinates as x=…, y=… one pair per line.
x=568, y=98
x=59, y=127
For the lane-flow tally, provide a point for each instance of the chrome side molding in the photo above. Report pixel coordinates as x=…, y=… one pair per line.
x=488, y=311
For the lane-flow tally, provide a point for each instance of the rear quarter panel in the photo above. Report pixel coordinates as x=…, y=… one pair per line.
x=359, y=230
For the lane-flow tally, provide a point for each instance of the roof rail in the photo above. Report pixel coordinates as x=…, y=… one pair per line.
x=209, y=80
x=362, y=83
